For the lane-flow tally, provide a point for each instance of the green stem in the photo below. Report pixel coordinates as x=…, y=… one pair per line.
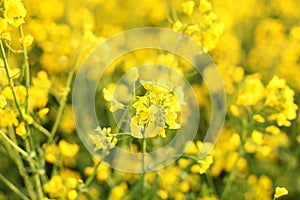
x=144, y=148
x=27, y=85
x=41, y=129
x=63, y=101
x=10, y=81
x=13, y=187
x=27, y=72
x=21, y=168
x=35, y=171
x=90, y=179
x=14, y=145
x=211, y=182
x=241, y=152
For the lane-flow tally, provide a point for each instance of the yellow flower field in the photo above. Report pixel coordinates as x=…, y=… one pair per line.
x=121, y=100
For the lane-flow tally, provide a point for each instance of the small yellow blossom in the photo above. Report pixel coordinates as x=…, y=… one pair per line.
x=202, y=165
x=68, y=149
x=162, y=194
x=20, y=92
x=3, y=101
x=252, y=93
x=3, y=24
x=273, y=129
x=258, y=118
x=14, y=12
x=250, y=147
x=54, y=186
x=280, y=191
x=257, y=137
x=71, y=183
x=103, y=172
x=50, y=153
x=107, y=95
x=21, y=130
x=28, y=119
x=188, y=7
x=27, y=40
x=205, y=164
x=177, y=25
x=179, y=196
x=234, y=110
x=242, y=165
x=72, y=195
x=205, y=5
x=43, y=112
x=191, y=29
x=6, y=36
x=183, y=163
x=118, y=192
x=184, y=186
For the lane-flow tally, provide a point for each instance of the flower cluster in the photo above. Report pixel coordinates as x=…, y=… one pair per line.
x=42, y=44
x=103, y=139
x=159, y=109
x=202, y=26
x=62, y=187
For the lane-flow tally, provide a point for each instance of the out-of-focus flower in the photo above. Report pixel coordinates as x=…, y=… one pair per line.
x=21, y=129
x=3, y=24
x=55, y=186
x=252, y=93
x=188, y=7
x=14, y=12
x=3, y=101
x=27, y=40
x=280, y=191
x=68, y=149
x=205, y=6
x=118, y=192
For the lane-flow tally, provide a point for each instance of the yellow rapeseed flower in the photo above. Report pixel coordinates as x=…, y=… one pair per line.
x=6, y=36
x=3, y=24
x=257, y=137
x=205, y=5
x=156, y=111
x=50, y=153
x=72, y=195
x=252, y=92
x=14, y=12
x=280, y=191
x=3, y=101
x=43, y=112
x=162, y=194
x=234, y=110
x=21, y=130
x=258, y=118
x=27, y=40
x=188, y=7
x=54, y=186
x=118, y=192
x=273, y=129
x=177, y=25
x=68, y=149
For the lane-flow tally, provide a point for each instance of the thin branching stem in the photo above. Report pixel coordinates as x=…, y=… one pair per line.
x=13, y=187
